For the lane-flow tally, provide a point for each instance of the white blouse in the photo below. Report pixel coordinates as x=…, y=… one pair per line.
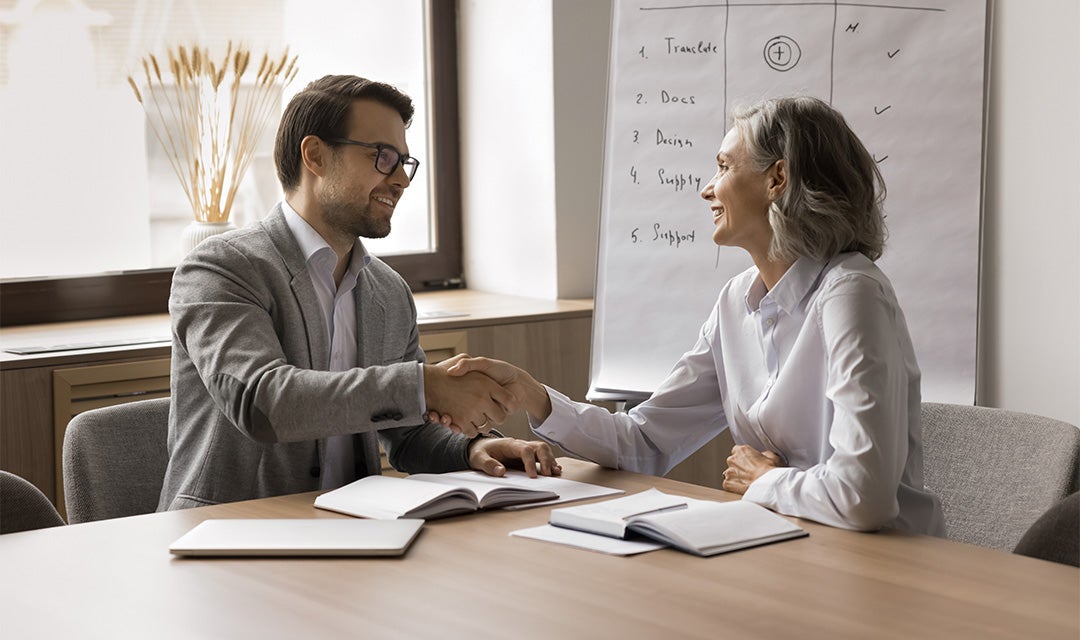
x=820, y=369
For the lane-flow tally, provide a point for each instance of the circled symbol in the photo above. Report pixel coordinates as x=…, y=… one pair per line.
x=782, y=53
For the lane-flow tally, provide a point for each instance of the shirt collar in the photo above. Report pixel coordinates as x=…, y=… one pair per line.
x=312, y=243
x=798, y=281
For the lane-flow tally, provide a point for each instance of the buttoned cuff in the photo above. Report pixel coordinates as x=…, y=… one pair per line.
x=763, y=490
x=561, y=406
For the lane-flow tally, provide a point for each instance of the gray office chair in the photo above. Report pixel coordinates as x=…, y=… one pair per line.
x=1055, y=536
x=115, y=459
x=995, y=471
x=23, y=506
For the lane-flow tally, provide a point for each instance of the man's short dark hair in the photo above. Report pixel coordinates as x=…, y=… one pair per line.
x=322, y=110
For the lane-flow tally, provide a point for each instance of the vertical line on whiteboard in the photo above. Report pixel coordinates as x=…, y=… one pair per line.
x=724, y=114
x=727, y=13
x=832, y=53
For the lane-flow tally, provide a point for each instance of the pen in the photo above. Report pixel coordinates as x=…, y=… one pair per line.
x=674, y=507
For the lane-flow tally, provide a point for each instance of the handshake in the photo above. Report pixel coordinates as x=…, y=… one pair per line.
x=472, y=395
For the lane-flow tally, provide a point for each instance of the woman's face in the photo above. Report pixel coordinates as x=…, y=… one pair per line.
x=739, y=197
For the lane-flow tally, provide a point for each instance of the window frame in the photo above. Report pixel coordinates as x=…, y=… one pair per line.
x=146, y=291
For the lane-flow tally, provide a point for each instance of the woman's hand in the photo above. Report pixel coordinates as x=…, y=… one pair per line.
x=746, y=464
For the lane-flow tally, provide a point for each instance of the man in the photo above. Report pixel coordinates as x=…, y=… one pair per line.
x=295, y=351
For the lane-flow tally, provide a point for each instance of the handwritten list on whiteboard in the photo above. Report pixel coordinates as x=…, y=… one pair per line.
x=908, y=77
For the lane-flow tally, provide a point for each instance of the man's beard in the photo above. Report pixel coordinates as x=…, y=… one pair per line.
x=344, y=214
x=356, y=221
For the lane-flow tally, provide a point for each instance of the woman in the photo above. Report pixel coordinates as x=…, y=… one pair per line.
x=806, y=356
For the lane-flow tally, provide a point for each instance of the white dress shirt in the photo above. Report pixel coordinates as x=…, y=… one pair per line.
x=820, y=369
x=338, y=305
x=338, y=308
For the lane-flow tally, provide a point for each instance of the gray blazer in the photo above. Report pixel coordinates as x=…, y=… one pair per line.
x=252, y=402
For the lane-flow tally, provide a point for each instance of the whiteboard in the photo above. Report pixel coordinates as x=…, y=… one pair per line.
x=909, y=77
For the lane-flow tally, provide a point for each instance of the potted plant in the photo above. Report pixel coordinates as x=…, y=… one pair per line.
x=208, y=114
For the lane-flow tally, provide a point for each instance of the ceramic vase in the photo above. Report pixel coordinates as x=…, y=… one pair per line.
x=198, y=231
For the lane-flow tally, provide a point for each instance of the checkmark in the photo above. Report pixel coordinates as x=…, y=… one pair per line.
x=893, y=53
x=882, y=110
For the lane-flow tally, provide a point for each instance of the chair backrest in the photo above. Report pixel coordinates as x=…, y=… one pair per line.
x=1055, y=536
x=23, y=506
x=115, y=459
x=996, y=471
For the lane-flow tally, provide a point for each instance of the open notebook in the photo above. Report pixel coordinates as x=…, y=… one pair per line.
x=701, y=527
x=298, y=537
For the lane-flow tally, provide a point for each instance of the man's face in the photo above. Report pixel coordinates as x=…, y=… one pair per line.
x=358, y=200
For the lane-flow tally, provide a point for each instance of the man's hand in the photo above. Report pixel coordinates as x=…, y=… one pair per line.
x=746, y=464
x=493, y=455
x=476, y=401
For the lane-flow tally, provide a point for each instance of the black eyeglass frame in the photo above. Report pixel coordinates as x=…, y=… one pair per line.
x=407, y=162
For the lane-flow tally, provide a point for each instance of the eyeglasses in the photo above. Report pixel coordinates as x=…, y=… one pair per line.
x=387, y=159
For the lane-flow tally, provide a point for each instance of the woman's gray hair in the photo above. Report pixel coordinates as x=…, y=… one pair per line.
x=834, y=195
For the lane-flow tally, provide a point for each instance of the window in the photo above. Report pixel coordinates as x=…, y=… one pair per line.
x=94, y=212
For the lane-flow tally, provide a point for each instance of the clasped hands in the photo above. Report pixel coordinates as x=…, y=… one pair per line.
x=470, y=396
x=466, y=400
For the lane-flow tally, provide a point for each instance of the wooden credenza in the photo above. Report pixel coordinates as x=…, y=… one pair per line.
x=40, y=393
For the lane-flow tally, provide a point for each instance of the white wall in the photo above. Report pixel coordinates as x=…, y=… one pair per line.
x=507, y=153
x=1029, y=357
x=581, y=60
x=541, y=209
x=531, y=189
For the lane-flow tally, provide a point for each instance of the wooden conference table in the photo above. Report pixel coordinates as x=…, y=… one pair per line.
x=464, y=577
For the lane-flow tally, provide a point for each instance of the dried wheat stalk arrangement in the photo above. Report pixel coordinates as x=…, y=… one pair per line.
x=209, y=119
